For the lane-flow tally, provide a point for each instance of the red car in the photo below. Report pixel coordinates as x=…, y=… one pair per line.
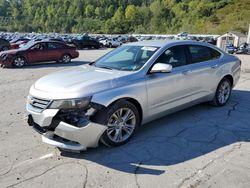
x=40, y=51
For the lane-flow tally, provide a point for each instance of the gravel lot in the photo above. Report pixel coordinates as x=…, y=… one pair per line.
x=202, y=146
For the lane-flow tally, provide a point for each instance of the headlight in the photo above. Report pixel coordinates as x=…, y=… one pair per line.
x=70, y=103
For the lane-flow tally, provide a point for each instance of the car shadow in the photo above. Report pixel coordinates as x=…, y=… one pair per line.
x=54, y=64
x=177, y=138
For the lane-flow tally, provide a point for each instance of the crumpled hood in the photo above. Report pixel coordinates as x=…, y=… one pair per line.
x=75, y=82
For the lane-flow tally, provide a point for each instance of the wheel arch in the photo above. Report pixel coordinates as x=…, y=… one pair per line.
x=21, y=55
x=131, y=100
x=67, y=53
x=230, y=78
x=134, y=102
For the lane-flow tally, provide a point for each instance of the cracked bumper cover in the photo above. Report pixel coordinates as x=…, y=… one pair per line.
x=66, y=136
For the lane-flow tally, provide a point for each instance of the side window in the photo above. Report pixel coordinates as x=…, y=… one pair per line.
x=215, y=54
x=44, y=46
x=199, y=53
x=53, y=45
x=175, y=56
x=36, y=47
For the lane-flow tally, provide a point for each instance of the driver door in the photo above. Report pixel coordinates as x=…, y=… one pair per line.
x=37, y=53
x=167, y=91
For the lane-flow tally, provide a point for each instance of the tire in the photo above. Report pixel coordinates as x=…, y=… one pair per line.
x=66, y=58
x=223, y=93
x=119, y=130
x=5, y=48
x=110, y=45
x=19, y=62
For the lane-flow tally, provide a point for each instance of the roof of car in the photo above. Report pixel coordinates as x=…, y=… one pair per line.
x=162, y=43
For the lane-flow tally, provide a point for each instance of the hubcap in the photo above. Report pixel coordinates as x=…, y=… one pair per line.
x=19, y=62
x=66, y=58
x=224, y=92
x=121, y=125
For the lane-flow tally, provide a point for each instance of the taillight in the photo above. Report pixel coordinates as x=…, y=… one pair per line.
x=239, y=62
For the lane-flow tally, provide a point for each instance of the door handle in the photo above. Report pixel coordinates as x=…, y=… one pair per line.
x=185, y=72
x=215, y=66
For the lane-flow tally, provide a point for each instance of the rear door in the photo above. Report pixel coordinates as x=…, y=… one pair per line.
x=55, y=51
x=204, y=63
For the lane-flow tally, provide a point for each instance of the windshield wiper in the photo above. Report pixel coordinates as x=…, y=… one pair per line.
x=92, y=63
x=104, y=67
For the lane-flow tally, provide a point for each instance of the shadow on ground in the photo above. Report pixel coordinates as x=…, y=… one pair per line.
x=178, y=137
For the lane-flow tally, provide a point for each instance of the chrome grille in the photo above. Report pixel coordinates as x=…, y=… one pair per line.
x=38, y=103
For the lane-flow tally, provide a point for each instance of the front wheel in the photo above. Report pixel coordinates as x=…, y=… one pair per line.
x=223, y=92
x=19, y=62
x=121, y=120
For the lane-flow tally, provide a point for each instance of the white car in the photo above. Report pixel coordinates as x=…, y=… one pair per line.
x=110, y=42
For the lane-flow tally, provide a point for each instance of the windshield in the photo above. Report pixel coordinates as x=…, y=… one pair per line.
x=27, y=45
x=129, y=58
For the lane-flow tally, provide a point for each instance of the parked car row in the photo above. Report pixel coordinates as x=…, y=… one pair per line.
x=79, y=41
x=242, y=49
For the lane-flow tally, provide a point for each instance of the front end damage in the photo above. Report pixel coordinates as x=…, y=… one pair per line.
x=70, y=129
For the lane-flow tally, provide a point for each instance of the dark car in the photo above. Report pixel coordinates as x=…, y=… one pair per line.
x=40, y=51
x=243, y=49
x=230, y=48
x=85, y=42
x=4, y=44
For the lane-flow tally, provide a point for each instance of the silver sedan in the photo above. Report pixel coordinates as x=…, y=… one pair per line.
x=109, y=99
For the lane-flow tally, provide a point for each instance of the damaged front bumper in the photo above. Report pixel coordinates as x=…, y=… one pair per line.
x=62, y=134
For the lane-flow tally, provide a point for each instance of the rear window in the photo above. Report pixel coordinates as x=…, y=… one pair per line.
x=202, y=53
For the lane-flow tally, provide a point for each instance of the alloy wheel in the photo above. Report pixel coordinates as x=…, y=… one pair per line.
x=19, y=62
x=224, y=92
x=121, y=125
x=66, y=59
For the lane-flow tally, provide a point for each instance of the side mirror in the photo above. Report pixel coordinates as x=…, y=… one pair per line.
x=161, y=67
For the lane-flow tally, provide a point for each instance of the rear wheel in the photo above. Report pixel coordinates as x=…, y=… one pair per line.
x=65, y=58
x=19, y=62
x=121, y=120
x=223, y=92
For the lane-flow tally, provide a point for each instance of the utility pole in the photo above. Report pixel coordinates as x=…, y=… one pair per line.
x=248, y=36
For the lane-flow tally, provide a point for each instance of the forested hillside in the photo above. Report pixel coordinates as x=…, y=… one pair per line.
x=125, y=16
